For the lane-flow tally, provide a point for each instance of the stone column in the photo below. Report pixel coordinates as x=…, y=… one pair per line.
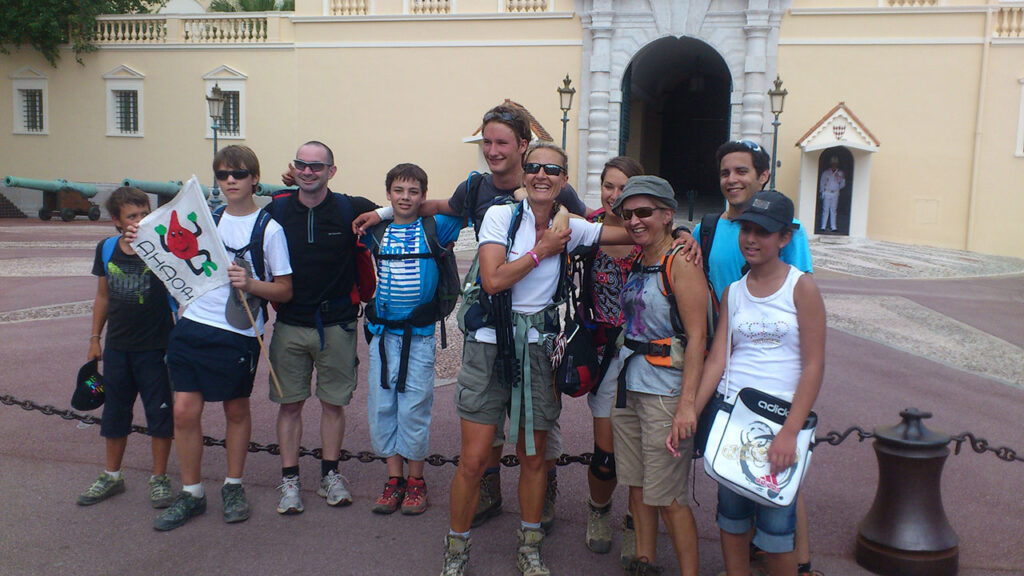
x=754, y=66
x=598, y=99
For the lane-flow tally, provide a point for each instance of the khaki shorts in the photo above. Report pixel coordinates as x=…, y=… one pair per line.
x=295, y=351
x=480, y=398
x=641, y=458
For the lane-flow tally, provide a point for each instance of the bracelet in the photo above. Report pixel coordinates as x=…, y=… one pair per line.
x=678, y=229
x=536, y=260
x=94, y=336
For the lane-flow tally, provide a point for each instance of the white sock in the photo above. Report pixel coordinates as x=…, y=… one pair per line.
x=114, y=475
x=531, y=525
x=196, y=490
x=232, y=480
x=459, y=534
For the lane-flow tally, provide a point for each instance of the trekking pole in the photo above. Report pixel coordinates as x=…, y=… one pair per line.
x=263, y=349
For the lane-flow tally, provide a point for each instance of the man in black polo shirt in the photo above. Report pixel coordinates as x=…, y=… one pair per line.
x=317, y=328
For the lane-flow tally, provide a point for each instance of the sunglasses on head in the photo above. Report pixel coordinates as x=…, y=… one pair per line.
x=750, y=145
x=503, y=116
x=549, y=169
x=301, y=166
x=236, y=174
x=641, y=212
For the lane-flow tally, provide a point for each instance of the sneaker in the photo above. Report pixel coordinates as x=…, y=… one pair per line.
x=528, y=558
x=599, y=527
x=391, y=498
x=104, y=487
x=628, y=541
x=547, y=515
x=236, y=507
x=489, y=504
x=291, y=502
x=333, y=488
x=160, y=495
x=642, y=567
x=456, y=555
x=415, y=501
x=184, y=507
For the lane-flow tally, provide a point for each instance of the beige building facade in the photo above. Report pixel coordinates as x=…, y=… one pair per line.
x=923, y=100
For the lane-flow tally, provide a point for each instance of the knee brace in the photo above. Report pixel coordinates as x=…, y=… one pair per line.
x=602, y=464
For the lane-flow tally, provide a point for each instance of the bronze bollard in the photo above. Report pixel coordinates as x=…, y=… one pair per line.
x=906, y=532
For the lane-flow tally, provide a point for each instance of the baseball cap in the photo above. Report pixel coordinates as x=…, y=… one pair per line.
x=646, y=185
x=771, y=210
x=88, y=393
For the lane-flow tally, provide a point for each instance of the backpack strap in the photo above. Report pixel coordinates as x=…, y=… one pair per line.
x=472, y=197
x=708, y=224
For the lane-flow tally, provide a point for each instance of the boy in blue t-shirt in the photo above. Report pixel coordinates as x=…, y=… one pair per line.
x=400, y=323
x=134, y=306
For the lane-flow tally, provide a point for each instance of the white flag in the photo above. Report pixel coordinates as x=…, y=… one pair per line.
x=179, y=242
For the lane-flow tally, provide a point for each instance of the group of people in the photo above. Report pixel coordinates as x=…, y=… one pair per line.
x=644, y=297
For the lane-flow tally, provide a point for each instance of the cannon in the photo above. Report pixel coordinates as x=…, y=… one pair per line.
x=264, y=189
x=68, y=199
x=164, y=191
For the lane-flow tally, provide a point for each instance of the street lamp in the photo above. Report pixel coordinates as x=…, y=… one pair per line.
x=778, y=98
x=215, y=102
x=565, y=93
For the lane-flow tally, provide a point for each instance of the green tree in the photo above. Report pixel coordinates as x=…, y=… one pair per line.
x=251, y=5
x=47, y=24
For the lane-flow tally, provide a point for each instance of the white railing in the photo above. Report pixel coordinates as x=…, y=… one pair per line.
x=1009, y=23
x=147, y=30
x=348, y=7
x=527, y=5
x=224, y=29
x=214, y=28
x=911, y=3
x=430, y=6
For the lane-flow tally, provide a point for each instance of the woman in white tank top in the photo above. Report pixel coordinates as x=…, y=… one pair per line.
x=777, y=319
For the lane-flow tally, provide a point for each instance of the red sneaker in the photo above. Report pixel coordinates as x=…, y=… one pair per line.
x=391, y=498
x=415, y=501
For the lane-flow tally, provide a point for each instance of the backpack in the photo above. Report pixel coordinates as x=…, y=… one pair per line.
x=254, y=247
x=708, y=223
x=107, y=252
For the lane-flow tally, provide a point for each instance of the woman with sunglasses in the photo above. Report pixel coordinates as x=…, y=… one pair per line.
x=520, y=270
x=656, y=395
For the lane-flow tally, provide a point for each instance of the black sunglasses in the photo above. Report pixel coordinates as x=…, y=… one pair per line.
x=301, y=166
x=236, y=174
x=641, y=212
x=750, y=145
x=549, y=169
x=503, y=116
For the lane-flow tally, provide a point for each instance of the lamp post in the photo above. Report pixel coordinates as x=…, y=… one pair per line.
x=565, y=93
x=215, y=102
x=777, y=96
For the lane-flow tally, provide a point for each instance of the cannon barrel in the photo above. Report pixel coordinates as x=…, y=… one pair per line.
x=265, y=189
x=86, y=190
x=169, y=188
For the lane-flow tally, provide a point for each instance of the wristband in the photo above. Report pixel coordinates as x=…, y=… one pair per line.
x=94, y=336
x=678, y=229
x=536, y=260
x=385, y=213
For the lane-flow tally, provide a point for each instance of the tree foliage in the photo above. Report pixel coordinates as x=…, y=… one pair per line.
x=251, y=5
x=47, y=24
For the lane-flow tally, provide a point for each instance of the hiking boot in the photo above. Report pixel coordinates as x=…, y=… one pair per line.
x=456, y=555
x=104, y=487
x=628, y=541
x=489, y=504
x=528, y=558
x=415, y=501
x=547, y=514
x=291, y=501
x=391, y=498
x=333, y=488
x=599, y=527
x=236, y=507
x=160, y=495
x=184, y=507
x=641, y=567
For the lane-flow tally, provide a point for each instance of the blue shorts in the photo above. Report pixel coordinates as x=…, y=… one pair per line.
x=127, y=375
x=219, y=364
x=775, y=526
x=400, y=422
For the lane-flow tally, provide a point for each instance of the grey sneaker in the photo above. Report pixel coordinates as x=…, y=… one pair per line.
x=104, y=487
x=528, y=558
x=599, y=527
x=291, y=502
x=333, y=488
x=160, y=495
x=236, y=507
x=489, y=504
x=184, y=507
x=628, y=541
x=456, y=555
x=547, y=515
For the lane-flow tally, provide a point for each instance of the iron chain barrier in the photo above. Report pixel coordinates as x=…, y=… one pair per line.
x=832, y=438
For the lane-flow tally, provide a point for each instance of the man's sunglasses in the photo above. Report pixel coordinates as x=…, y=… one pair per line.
x=503, y=116
x=236, y=174
x=315, y=167
x=750, y=145
x=549, y=169
x=641, y=212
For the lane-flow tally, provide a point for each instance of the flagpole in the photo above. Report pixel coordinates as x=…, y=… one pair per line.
x=263, y=349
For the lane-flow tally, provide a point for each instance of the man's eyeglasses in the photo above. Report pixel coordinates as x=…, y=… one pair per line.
x=236, y=174
x=750, y=145
x=315, y=167
x=641, y=212
x=549, y=169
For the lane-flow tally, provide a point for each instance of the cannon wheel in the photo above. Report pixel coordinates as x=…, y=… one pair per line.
x=94, y=213
x=44, y=214
x=67, y=214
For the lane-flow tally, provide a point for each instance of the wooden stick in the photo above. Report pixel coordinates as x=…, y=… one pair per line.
x=263, y=349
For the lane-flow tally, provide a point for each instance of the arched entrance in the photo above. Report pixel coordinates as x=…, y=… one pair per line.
x=674, y=115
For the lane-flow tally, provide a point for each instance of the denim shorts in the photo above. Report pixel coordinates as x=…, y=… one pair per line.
x=775, y=526
x=400, y=421
x=127, y=375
